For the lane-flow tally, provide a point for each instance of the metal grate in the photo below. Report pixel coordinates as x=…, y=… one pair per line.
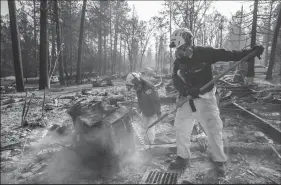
x=156, y=177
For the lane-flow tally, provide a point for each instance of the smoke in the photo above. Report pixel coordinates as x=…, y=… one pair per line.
x=91, y=160
x=71, y=164
x=100, y=154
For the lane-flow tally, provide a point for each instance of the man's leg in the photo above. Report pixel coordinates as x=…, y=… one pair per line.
x=209, y=117
x=184, y=124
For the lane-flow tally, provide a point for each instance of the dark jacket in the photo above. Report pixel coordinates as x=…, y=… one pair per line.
x=198, y=70
x=148, y=99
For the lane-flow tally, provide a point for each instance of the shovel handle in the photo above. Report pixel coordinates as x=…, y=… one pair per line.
x=247, y=57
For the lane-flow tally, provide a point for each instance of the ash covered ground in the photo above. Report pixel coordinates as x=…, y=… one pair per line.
x=41, y=151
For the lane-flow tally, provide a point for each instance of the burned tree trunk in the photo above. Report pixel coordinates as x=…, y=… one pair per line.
x=268, y=34
x=251, y=63
x=44, y=77
x=81, y=36
x=35, y=35
x=104, y=135
x=110, y=32
x=100, y=40
x=16, y=46
x=273, y=46
x=59, y=41
x=115, y=38
x=104, y=54
x=53, y=49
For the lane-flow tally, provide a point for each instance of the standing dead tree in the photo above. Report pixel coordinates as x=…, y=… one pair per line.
x=44, y=77
x=268, y=34
x=145, y=37
x=116, y=32
x=35, y=32
x=16, y=46
x=251, y=63
x=59, y=41
x=81, y=36
x=273, y=46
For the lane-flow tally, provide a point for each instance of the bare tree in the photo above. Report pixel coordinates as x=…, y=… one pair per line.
x=120, y=51
x=170, y=30
x=101, y=8
x=242, y=65
x=59, y=41
x=273, y=46
x=53, y=48
x=268, y=34
x=44, y=77
x=81, y=37
x=116, y=32
x=145, y=34
x=104, y=53
x=16, y=46
x=35, y=32
x=110, y=32
x=251, y=63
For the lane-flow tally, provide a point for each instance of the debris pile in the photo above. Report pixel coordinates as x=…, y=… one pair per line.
x=98, y=82
x=103, y=134
x=10, y=88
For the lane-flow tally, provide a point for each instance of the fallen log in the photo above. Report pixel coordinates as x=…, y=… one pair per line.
x=12, y=105
x=96, y=84
x=115, y=98
x=230, y=147
x=67, y=97
x=19, y=96
x=8, y=101
x=112, y=99
x=11, y=146
x=265, y=107
x=271, y=131
x=102, y=82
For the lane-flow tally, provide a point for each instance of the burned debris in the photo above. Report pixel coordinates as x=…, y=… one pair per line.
x=116, y=99
x=106, y=131
x=103, y=134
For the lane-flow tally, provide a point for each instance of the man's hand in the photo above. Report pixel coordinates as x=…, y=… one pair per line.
x=259, y=49
x=194, y=92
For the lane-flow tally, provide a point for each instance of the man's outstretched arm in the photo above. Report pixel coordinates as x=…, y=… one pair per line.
x=230, y=55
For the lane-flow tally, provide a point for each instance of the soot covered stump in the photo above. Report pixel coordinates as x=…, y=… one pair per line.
x=104, y=135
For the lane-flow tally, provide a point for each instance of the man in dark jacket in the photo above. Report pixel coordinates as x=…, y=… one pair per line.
x=148, y=100
x=192, y=70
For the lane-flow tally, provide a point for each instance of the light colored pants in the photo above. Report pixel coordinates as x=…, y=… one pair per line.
x=146, y=122
x=208, y=115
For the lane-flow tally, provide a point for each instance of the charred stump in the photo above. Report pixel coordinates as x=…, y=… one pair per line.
x=104, y=136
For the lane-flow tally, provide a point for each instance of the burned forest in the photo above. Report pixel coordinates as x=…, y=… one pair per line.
x=140, y=92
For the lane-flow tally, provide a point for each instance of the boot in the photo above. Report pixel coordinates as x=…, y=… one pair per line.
x=220, y=168
x=179, y=163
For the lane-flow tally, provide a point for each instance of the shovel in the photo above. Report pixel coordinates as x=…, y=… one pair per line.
x=247, y=57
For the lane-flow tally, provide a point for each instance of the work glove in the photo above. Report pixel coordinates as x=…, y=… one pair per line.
x=194, y=92
x=260, y=49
